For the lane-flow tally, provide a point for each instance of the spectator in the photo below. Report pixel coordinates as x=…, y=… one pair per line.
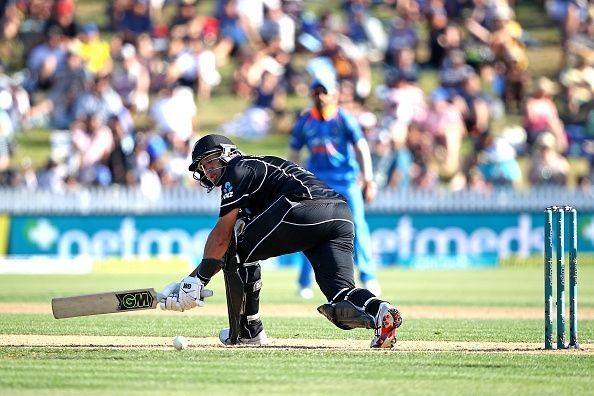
x=176, y=166
x=270, y=58
x=494, y=25
x=14, y=105
x=101, y=99
x=379, y=146
x=366, y=31
x=51, y=176
x=252, y=11
x=403, y=104
x=115, y=10
x=256, y=120
x=540, y=115
x=445, y=125
x=277, y=24
x=94, y=50
x=131, y=79
x=45, y=59
x=10, y=19
x=437, y=20
x=135, y=21
x=150, y=179
x=160, y=63
x=578, y=83
x=153, y=60
x=498, y=162
x=195, y=67
x=547, y=166
x=582, y=43
x=174, y=113
x=405, y=67
x=31, y=28
x=186, y=12
x=120, y=161
x=454, y=72
x=516, y=78
x=482, y=17
x=505, y=37
x=348, y=62
x=578, y=104
x=28, y=175
x=156, y=9
x=506, y=43
x=93, y=144
x=474, y=106
x=236, y=31
x=63, y=18
x=57, y=110
x=402, y=34
x=570, y=15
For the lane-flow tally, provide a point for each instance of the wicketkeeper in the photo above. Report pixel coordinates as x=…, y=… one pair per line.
x=270, y=207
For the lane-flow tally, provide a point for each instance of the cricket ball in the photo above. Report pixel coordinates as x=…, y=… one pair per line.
x=180, y=342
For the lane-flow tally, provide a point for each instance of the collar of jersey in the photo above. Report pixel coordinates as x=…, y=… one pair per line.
x=327, y=113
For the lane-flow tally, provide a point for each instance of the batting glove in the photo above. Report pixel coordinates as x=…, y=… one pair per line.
x=187, y=294
x=169, y=300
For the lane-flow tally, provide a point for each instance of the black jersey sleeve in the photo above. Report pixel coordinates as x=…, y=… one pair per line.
x=236, y=186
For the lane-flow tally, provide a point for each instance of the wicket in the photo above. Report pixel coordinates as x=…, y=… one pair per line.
x=557, y=214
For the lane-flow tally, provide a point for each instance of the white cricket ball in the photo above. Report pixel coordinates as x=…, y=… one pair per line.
x=180, y=342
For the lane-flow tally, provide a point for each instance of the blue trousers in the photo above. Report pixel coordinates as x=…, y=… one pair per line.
x=362, y=245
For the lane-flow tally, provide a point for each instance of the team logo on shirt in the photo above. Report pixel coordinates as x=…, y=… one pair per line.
x=227, y=190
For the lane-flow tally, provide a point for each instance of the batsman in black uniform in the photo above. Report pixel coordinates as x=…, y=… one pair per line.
x=270, y=207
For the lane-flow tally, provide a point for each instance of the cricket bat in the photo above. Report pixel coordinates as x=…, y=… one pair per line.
x=104, y=303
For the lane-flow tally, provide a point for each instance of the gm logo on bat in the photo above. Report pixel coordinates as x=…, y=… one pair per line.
x=136, y=300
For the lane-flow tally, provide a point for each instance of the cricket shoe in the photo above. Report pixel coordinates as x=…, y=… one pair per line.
x=259, y=340
x=387, y=322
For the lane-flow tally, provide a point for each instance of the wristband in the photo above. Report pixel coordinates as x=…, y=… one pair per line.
x=207, y=268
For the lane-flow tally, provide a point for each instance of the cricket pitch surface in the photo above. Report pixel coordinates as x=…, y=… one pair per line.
x=195, y=343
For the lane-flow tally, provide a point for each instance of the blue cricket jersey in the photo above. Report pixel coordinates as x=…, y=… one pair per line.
x=330, y=143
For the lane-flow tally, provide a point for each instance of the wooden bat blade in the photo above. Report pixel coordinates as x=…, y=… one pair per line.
x=104, y=303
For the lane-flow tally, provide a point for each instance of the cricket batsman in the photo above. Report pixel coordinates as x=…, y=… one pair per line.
x=270, y=207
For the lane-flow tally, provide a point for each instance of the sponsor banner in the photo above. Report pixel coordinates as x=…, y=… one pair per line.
x=413, y=240
x=4, y=224
x=464, y=240
x=127, y=237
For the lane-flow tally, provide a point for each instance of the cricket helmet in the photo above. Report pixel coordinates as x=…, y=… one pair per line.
x=208, y=147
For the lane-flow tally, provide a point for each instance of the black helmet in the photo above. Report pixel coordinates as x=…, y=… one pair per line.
x=206, y=146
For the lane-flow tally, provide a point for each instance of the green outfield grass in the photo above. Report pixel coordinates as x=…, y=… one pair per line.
x=278, y=372
x=500, y=287
x=95, y=370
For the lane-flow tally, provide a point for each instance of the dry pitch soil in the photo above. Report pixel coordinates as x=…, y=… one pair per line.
x=410, y=313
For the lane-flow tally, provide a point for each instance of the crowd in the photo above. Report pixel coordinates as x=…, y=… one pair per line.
x=160, y=59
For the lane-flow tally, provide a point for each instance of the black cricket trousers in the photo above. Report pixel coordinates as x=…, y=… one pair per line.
x=321, y=228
